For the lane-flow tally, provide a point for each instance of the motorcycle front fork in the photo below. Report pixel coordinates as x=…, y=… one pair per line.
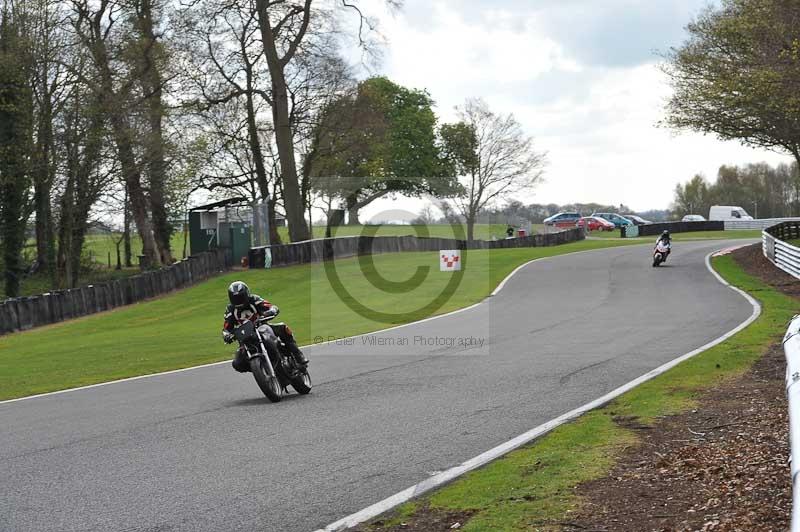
x=265, y=354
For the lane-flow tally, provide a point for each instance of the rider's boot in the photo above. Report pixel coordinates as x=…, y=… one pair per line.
x=240, y=362
x=299, y=357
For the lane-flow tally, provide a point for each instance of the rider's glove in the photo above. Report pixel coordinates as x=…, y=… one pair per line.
x=227, y=337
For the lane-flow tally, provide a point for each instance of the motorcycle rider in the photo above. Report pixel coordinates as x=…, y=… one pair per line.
x=667, y=241
x=246, y=306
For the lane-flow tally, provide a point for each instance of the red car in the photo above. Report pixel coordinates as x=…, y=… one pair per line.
x=595, y=223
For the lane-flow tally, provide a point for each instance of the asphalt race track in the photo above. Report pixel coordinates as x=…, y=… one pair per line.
x=203, y=450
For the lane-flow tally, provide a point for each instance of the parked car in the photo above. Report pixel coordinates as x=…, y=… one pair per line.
x=636, y=219
x=614, y=218
x=595, y=223
x=563, y=219
x=693, y=218
x=728, y=212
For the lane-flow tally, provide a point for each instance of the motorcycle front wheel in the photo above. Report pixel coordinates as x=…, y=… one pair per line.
x=269, y=385
x=302, y=383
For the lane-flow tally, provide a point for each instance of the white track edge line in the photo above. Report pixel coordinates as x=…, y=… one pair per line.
x=446, y=476
x=190, y=368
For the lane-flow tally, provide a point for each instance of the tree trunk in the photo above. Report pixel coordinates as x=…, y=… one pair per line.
x=15, y=134
x=293, y=202
x=274, y=236
x=133, y=182
x=152, y=85
x=352, y=213
x=796, y=209
x=42, y=186
x=63, y=261
x=45, y=246
x=470, y=219
x=126, y=232
x=76, y=242
x=112, y=105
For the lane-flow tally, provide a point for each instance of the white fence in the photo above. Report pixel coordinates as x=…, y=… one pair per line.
x=782, y=254
x=756, y=224
x=791, y=347
x=787, y=257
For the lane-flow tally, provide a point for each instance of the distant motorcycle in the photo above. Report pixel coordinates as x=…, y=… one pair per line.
x=660, y=253
x=271, y=360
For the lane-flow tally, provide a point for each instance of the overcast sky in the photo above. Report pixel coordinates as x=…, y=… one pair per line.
x=580, y=75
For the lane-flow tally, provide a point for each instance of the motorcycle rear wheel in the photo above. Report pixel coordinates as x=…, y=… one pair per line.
x=269, y=385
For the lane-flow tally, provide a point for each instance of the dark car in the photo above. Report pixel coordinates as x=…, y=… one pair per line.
x=637, y=220
x=563, y=219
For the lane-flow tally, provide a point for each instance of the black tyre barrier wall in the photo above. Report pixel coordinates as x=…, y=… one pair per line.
x=679, y=227
x=350, y=246
x=23, y=313
x=785, y=231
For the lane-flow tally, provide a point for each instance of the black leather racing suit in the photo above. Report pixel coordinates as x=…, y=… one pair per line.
x=257, y=307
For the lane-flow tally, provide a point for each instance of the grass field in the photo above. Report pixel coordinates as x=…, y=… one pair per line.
x=482, y=231
x=534, y=487
x=100, y=245
x=183, y=329
x=101, y=249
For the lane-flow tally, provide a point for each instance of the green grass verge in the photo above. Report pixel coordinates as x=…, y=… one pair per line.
x=534, y=485
x=183, y=329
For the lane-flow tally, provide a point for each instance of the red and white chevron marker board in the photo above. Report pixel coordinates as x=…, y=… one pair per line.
x=449, y=260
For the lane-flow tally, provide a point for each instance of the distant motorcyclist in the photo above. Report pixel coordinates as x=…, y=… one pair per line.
x=245, y=306
x=666, y=240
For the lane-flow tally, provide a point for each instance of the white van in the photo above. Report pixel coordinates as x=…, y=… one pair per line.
x=728, y=212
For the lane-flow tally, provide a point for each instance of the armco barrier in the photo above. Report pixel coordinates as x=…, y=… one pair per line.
x=791, y=348
x=23, y=313
x=732, y=225
x=350, y=246
x=776, y=248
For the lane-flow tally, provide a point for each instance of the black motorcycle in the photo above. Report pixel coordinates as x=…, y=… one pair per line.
x=272, y=361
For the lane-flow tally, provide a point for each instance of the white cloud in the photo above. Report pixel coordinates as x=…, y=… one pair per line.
x=450, y=56
x=580, y=76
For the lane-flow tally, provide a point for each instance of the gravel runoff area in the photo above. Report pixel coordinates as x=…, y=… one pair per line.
x=723, y=466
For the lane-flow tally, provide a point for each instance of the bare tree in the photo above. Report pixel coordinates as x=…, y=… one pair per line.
x=15, y=135
x=149, y=54
x=493, y=157
x=284, y=27
x=226, y=77
x=50, y=84
x=93, y=24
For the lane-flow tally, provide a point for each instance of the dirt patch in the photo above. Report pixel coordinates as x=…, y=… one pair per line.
x=720, y=467
x=425, y=519
x=723, y=466
x=753, y=261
